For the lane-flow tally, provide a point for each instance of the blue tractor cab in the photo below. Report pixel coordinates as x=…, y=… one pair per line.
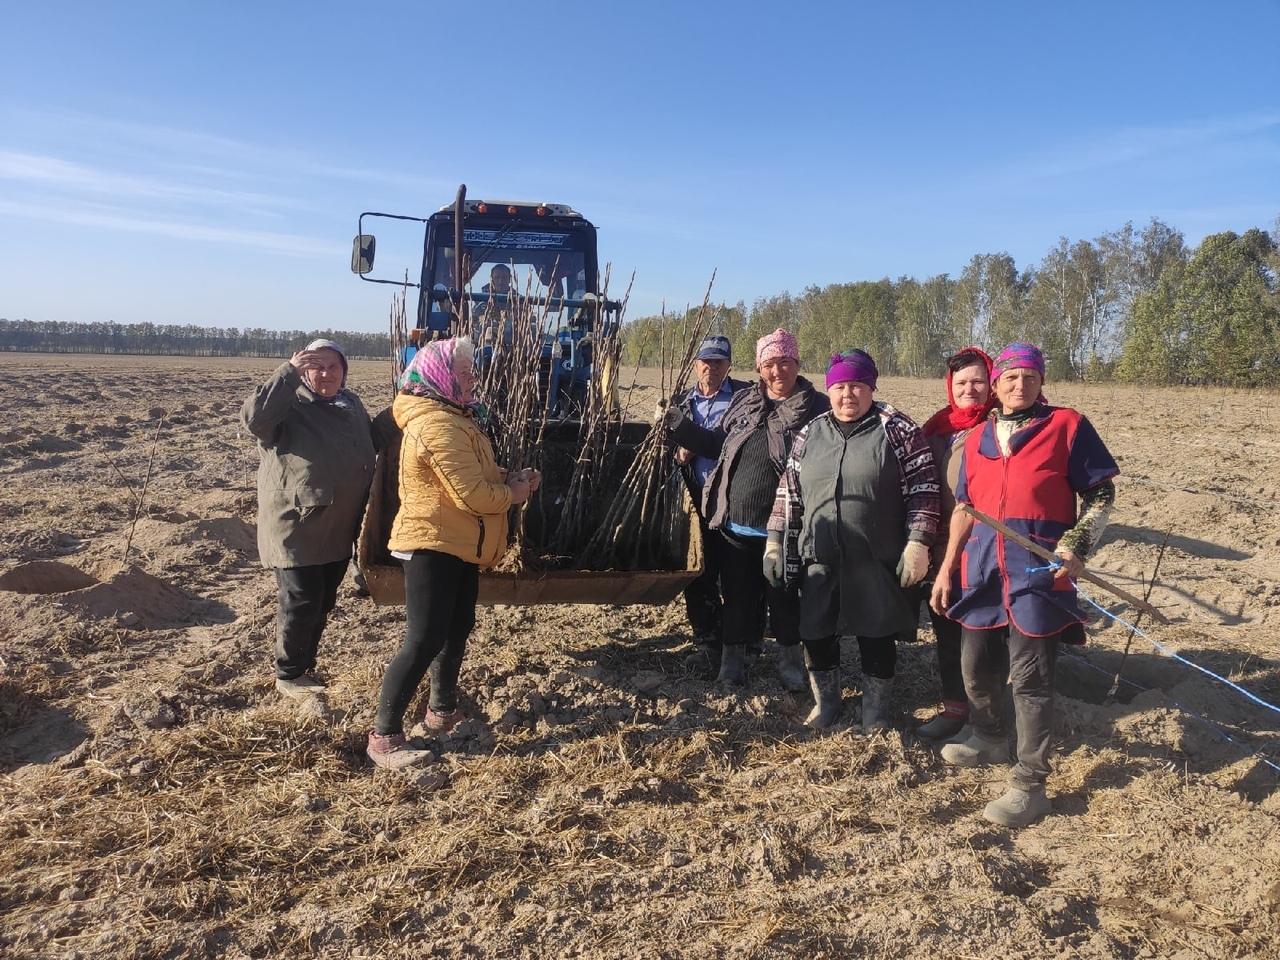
x=527, y=269
x=522, y=280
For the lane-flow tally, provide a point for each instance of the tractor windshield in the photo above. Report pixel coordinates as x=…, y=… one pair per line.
x=541, y=264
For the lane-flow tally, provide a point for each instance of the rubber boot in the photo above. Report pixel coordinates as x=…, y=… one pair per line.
x=733, y=665
x=875, y=703
x=827, y=700
x=791, y=669
x=976, y=752
x=1018, y=808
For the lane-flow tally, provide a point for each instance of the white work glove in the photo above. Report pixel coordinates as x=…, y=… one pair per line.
x=518, y=484
x=914, y=563
x=775, y=563
x=668, y=413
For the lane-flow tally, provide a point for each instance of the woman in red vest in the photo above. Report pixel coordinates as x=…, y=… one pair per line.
x=1027, y=467
x=969, y=403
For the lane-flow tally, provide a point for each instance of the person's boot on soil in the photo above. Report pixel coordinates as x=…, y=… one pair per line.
x=392, y=751
x=791, y=669
x=442, y=722
x=300, y=686
x=875, y=703
x=944, y=726
x=443, y=713
x=976, y=752
x=733, y=666
x=827, y=698
x=1018, y=808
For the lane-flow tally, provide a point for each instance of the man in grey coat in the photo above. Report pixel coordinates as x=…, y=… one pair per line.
x=317, y=456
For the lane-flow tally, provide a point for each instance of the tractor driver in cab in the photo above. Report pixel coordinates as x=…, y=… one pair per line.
x=499, y=280
x=493, y=317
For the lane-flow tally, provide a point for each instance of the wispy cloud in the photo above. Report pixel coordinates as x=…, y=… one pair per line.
x=196, y=153
x=32, y=170
x=120, y=175
x=1148, y=146
x=85, y=216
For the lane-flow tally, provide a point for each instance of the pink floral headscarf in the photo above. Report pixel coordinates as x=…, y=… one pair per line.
x=779, y=344
x=430, y=372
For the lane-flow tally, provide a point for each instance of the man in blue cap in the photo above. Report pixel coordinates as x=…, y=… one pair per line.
x=705, y=404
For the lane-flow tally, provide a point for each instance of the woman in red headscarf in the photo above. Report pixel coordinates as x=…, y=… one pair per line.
x=969, y=403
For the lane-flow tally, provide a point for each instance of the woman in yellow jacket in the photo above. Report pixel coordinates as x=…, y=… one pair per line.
x=452, y=521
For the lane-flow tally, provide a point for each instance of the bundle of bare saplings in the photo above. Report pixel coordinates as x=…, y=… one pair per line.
x=548, y=383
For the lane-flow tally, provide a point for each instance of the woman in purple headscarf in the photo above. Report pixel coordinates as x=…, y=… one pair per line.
x=452, y=521
x=854, y=518
x=1027, y=467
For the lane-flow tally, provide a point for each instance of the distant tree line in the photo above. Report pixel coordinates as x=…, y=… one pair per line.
x=1131, y=305
x=188, y=340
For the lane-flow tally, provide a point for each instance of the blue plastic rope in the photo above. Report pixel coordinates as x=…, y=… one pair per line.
x=1181, y=659
x=1190, y=713
x=1176, y=656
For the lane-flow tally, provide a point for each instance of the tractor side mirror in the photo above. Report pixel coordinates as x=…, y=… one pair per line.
x=362, y=249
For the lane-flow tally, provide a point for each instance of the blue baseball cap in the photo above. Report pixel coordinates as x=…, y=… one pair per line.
x=714, y=348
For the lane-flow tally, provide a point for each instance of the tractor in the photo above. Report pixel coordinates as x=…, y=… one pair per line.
x=521, y=262
x=525, y=287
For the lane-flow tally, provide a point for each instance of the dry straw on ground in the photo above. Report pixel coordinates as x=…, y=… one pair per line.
x=158, y=799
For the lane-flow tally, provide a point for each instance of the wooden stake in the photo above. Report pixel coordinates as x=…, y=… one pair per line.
x=1136, y=602
x=1128, y=641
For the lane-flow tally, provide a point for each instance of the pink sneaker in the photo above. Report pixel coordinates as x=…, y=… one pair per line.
x=391, y=751
x=442, y=722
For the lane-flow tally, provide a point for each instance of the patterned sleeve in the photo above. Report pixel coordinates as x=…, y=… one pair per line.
x=1095, y=511
x=788, y=509
x=1090, y=469
x=918, y=473
x=788, y=505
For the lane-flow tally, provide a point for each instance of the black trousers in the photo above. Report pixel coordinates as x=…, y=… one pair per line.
x=305, y=598
x=703, y=603
x=440, y=612
x=946, y=637
x=989, y=659
x=879, y=655
x=747, y=596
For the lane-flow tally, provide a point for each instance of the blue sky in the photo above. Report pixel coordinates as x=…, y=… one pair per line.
x=205, y=163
